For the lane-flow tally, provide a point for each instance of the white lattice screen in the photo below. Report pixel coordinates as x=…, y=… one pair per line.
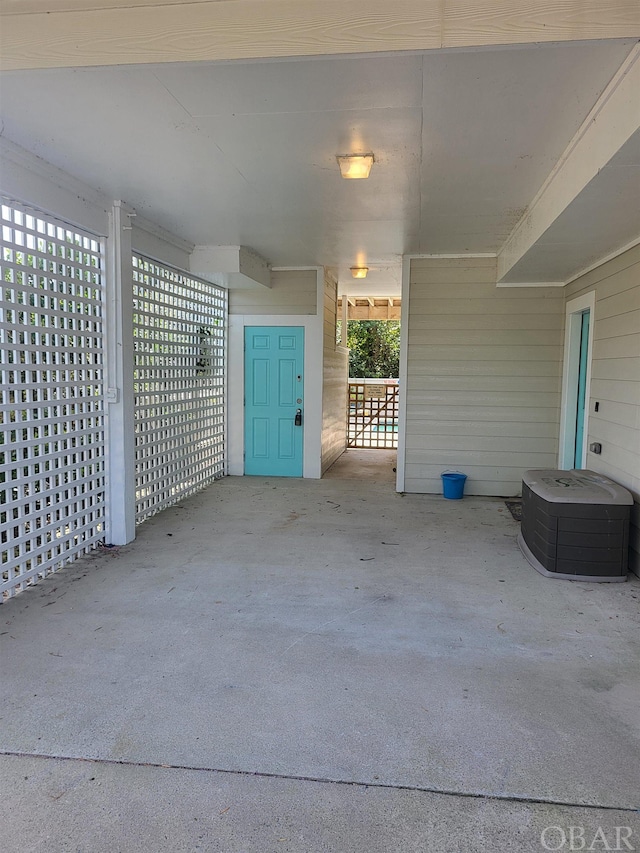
x=179, y=384
x=52, y=434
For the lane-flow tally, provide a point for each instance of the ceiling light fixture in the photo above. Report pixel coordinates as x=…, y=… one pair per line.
x=359, y=272
x=355, y=166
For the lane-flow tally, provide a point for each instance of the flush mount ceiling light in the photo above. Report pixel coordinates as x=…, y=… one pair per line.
x=355, y=166
x=359, y=272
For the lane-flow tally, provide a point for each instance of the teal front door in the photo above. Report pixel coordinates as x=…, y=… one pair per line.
x=582, y=390
x=273, y=400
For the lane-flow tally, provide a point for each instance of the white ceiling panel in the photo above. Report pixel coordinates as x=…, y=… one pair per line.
x=291, y=159
x=495, y=123
x=307, y=85
x=244, y=152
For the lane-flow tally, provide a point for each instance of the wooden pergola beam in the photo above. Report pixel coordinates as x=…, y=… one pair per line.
x=372, y=308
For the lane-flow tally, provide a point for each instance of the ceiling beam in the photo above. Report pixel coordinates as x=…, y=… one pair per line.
x=240, y=266
x=77, y=33
x=612, y=121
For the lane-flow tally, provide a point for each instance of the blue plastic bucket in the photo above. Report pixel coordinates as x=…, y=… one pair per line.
x=453, y=485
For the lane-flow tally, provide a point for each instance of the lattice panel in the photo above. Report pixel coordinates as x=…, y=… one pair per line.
x=52, y=432
x=373, y=416
x=179, y=384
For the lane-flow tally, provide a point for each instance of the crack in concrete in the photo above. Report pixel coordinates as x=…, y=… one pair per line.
x=262, y=774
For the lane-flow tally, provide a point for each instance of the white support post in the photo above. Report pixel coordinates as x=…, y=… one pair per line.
x=121, y=504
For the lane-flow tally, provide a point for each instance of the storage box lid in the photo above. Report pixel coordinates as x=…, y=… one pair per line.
x=576, y=486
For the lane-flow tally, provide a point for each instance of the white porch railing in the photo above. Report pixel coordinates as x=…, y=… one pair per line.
x=372, y=416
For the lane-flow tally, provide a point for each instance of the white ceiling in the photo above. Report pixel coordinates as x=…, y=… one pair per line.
x=243, y=153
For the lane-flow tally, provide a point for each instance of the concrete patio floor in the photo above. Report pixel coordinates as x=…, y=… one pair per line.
x=288, y=665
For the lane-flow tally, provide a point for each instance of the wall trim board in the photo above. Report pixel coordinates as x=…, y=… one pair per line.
x=158, y=244
x=574, y=308
x=445, y=256
x=313, y=339
x=160, y=233
x=531, y=284
x=403, y=374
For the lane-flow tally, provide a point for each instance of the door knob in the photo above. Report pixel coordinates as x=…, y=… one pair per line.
x=298, y=418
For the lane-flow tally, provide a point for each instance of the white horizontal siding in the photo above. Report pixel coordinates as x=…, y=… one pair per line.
x=474, y=304
x=522, y=398
x=490, y=351
x=621, y=301
x=620, y=348
x=478, y=337
x=615, y=372
x=621, y=324
x=500, y=430
x=487, y=480
x=461, y=321
x=484, y=369
x=483, y=377
x=621, y=369
x=475, y=458
x=460, y=382
x=488, y=413
x=468, y=445
x=335, y=379
x=291, y=292
x=614, y=277
x=615, y=390
x=483, y=271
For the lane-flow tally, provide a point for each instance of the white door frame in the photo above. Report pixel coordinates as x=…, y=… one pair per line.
x=575, y=308
x=313, y=367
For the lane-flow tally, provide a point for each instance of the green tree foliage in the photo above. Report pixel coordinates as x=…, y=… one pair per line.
x=374, y=349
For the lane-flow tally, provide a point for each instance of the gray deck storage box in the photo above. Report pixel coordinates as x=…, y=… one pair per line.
x=575, y=525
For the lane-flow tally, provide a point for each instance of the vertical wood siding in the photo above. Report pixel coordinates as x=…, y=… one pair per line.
x=483, y=377
x=615, y=377
x=335, y=377
x=291, y=292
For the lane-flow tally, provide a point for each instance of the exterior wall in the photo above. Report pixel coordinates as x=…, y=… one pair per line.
x=294, y=299
x=615, y=377
x=483, y=376
x=291, y=292
x=335, y=378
